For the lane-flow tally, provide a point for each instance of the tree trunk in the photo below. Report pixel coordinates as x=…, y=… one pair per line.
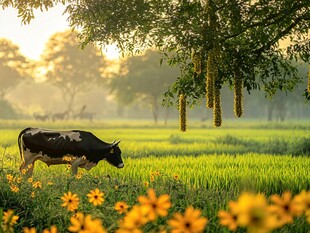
x=167, y=113
x=270, y=110
x=154, y=105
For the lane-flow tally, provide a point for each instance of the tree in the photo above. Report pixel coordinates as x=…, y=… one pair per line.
x=213, y=41
x=70, y=69
x=12, y=65
x=143, y=77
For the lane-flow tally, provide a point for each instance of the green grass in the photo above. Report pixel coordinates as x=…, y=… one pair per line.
x=213, y=165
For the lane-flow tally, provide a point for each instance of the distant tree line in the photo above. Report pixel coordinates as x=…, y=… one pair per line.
x=140, y=81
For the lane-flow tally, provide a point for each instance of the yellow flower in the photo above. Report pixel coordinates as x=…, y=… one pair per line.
x=176, y=177
x=133, y=220
x=78, y=176
x=229, y=218
x=30, y=179
x=19, y=180
x=146, y=184
x=190, y=222
x=95, y=197
x=9, y=177
x=115, y=187
x=70, y=201
x=284, y=207
x=29, y=230
x=24, y=171
x=53, y=230
x=155, y=206
x=32, y=194
x=254, y=213
x=121, y=207
x=14, y=188
x=9, y=220
x=302, y=200
x=157, y=173
x=152, y=178
x=85, y=224
x=37, y=184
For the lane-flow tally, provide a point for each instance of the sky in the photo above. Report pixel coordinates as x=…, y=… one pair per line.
x=31, y=38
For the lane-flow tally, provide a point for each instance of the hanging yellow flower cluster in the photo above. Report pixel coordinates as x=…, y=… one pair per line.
x=182, y=112
x=217, y=108
x=238, y=95
x=210, y=79
x=196, y=59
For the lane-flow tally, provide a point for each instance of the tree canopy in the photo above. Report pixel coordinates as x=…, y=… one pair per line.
x=212, y=41
x=13, y=66
x=70, y=69
x=143, y=77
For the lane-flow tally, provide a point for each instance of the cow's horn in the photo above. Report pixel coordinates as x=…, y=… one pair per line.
x=115, y=143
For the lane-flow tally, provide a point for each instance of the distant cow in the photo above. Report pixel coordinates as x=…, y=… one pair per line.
x=78, y=148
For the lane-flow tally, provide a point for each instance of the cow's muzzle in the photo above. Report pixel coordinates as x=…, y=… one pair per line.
x=121, y=165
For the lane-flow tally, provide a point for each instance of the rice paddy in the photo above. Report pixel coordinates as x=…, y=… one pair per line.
x=204, y=168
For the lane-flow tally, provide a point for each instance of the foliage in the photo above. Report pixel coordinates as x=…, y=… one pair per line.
x=69, y=68
x=13, y=66
x=6, y=110
x=245, y=35
x=143, y=78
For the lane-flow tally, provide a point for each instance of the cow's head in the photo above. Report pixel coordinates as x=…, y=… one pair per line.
x=114, y=155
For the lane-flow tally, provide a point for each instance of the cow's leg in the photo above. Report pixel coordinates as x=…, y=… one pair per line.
x=28, y=164
x=75, y=165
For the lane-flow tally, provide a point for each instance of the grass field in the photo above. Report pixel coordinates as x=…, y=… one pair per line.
x=205, y=168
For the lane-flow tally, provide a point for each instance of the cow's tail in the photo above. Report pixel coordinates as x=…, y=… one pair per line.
x=20, y=146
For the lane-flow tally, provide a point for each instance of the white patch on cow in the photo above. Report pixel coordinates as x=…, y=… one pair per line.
x=73, y=136
x=33, y=131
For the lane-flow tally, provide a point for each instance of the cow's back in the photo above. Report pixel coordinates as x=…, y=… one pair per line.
x=54, y=143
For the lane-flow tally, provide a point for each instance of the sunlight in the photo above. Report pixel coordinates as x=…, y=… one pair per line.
x=111, y=52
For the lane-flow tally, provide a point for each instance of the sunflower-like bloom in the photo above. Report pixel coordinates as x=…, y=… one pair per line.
x=302, y=200
x=14, y=188
x=284, y=207
x=133, y=221
x=155, y=206
x=70, y=201
x=229, y=218
x=85, y=224
x=95, y=197
x=254, y=213
x=190, y=222
x=182, y=112
x=37, y=184
x=121, y=207
x=9, y=177
x=52, y=230
x=29, y=230
x=9, y=220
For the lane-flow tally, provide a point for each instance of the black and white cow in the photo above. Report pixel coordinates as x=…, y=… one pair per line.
x=75, y=147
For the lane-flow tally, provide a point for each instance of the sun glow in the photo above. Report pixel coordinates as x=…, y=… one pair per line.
x=111, y=52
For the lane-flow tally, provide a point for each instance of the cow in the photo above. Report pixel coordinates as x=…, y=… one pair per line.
x=75, y=147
